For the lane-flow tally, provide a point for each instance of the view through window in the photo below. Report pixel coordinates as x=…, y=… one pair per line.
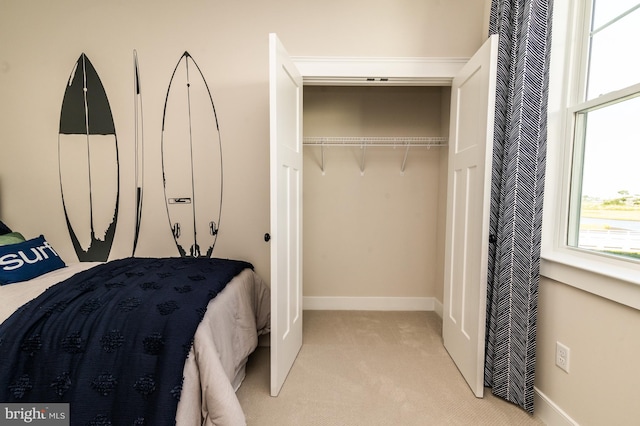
x=605, y=207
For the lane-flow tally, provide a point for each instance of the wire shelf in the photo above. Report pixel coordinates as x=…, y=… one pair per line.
x=374, y=141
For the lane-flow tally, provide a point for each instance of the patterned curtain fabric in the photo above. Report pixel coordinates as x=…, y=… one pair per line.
x=519, y=153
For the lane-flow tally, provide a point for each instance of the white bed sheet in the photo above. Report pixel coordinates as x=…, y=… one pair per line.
x=223, y=341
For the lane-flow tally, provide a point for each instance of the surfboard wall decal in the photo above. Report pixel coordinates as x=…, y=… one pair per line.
x=191, y=161
x=139, y=148
x=88, y=164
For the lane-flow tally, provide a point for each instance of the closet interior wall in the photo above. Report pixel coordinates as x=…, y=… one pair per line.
x=372, y=229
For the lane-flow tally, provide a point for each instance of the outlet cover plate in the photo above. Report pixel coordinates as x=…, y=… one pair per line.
x=562, y=356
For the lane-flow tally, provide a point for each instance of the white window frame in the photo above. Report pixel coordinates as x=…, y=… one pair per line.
x=611, y=277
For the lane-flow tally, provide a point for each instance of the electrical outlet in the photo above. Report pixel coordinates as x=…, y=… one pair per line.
x=562, y=356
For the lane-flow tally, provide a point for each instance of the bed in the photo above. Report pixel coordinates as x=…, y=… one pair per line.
x=225, y=335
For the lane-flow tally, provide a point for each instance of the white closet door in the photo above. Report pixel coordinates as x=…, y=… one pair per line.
x=467, y=229
x=285, y=97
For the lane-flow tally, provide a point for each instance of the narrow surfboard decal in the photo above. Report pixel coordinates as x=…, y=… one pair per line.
x=88, y=164
x=191, y=161
x=139, y=148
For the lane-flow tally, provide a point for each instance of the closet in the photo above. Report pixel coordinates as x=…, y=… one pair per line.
x=374, y=190
x=377, y=219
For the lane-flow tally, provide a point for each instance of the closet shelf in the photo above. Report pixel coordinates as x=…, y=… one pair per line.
x=367, y=141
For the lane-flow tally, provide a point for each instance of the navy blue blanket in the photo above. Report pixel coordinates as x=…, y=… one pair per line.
x=112, y=341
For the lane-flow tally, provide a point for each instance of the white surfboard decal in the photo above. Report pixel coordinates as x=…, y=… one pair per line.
x=191, y=161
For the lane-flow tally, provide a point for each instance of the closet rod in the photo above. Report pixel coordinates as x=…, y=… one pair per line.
x=393, y=141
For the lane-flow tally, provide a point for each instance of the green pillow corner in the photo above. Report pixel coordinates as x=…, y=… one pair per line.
x=11, y=238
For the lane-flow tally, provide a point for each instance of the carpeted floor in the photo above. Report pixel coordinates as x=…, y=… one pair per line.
x=371, y=368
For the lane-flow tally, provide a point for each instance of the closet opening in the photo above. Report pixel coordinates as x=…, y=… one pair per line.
x=374, y=196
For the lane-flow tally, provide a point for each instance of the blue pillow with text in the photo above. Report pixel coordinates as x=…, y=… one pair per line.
x=27, y=260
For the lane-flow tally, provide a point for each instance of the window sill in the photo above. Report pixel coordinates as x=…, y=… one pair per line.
x=594, y=274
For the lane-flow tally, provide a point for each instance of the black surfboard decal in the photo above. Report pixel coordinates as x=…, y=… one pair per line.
x=88, y=163
x=191, y=161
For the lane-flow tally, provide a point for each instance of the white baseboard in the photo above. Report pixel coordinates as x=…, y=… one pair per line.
x=549, y=412
x=371, y=304
x=437, y=306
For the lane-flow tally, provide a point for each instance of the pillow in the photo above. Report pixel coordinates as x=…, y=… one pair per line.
x=4, y=229
x=11, y=238
x=27, y=260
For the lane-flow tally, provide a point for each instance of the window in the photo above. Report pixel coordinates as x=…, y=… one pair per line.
x=592, y=191
x=604, y=212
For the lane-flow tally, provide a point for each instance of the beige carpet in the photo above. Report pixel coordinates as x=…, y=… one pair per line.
x=371, y=368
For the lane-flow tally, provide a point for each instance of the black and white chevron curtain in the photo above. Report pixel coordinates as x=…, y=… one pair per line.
x=520, y=137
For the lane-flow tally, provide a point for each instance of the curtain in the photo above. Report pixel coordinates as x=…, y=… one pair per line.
x=524, y=28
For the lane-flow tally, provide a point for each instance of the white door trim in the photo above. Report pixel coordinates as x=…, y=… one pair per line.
x=386, y=71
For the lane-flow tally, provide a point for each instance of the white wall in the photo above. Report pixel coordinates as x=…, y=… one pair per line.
x=40, y=41
x=601, y=387
x=372, y=234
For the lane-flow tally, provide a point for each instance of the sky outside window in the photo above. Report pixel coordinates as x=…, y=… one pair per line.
x=612, y=154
